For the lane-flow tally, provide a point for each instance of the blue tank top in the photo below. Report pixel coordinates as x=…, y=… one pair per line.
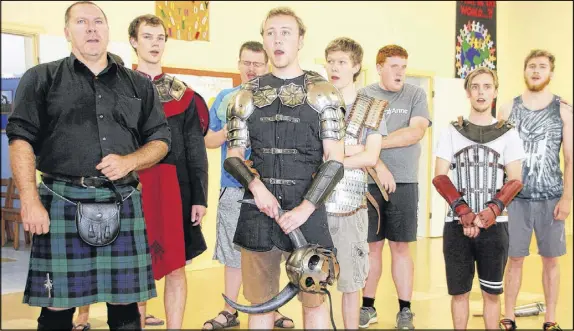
x=541, y=133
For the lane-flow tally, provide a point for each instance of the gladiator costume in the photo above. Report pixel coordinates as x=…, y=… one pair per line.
x=176, y=183
x=284, y=121
x=478, y=172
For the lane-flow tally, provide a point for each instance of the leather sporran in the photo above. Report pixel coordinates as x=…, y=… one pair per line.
x=98, y=223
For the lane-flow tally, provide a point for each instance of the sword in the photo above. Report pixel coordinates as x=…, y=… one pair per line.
x=531, y=309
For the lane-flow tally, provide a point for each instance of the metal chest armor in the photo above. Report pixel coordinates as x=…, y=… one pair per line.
x=477, y=167
x=349, y=195
x=169, y=88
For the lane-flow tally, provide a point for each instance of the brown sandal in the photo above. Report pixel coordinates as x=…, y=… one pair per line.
x=231, y=321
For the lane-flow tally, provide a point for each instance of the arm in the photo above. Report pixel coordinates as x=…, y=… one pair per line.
x=195, y=153
x=217, y=133
x=215, y=139
x=562, y=209
x=448, y=191
x=407, y=136
x=24, y=131
x=504, y=197
x=369, y=156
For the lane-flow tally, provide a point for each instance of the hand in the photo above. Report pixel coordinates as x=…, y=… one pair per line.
x=562, y=209
x=488, y=215
x=197, y=213
x=265, y=200
x=387, y=180
x=294, y=218
x=471, y=232
x=116, y=166
x=35, y=217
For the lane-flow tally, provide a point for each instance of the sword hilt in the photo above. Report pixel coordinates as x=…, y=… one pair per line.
x=297, y=238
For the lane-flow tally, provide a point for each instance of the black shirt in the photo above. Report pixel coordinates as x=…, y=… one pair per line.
x=73, y=118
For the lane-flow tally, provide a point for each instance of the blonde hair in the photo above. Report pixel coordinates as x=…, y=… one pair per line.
x=350, y=46
x=479, y=71
x=540, y=53
x=287, y=12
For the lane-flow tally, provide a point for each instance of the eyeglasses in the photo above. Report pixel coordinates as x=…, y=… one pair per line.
x=255, y=64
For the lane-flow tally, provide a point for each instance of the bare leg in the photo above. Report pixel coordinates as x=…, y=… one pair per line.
x=402, y=268
x=261, y=321
x=491, y=310
x=551, y=283
x=375, y=268
x=459, y=310
x=142, y=309
x=512, y=285
x=175, y=295
x=351, y=304
x=83, y=315
x=316, y=318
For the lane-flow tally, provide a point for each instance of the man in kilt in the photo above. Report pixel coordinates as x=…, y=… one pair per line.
x=88, y=124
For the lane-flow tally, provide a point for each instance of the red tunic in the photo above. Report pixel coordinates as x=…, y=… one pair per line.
x=176, y=183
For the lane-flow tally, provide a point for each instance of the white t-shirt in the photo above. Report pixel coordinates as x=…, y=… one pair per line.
x=508, y=146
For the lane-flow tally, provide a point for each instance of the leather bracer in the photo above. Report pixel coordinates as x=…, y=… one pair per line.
x=240, y=171
x=502, y=199
x=330, y=173
x=446, y=189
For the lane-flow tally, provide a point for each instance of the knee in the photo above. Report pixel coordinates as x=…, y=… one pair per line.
x=461, y=297
x=376, y=248
x=178, y=274
x=490, y=298
x=549, y=262
x=516, y=262
x=399, y=248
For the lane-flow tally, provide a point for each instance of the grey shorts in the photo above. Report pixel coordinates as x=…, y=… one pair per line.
x=349, y=234
x=538, y=215
x=227, y=215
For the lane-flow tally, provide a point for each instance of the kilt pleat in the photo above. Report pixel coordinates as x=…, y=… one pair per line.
x=66, y=272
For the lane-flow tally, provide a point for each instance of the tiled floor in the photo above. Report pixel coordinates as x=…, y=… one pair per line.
x=14, y=273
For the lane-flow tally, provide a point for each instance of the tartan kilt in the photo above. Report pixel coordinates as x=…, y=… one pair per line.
x=66, y=272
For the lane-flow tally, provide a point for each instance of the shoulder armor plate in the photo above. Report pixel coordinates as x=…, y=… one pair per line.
x=322, y=95
x=238, y=111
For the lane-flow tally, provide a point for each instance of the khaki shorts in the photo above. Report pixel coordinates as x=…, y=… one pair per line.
x=261, y=271
x=349, y=234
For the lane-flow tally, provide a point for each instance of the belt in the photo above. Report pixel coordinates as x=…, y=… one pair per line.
x=279, y=151
x=93, y=182
x=277, y=181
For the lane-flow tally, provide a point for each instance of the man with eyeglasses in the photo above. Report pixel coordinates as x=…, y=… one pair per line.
x=252, y=63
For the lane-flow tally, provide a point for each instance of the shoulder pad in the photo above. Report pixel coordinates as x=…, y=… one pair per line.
x=504, y=124
x=178, y=88
x=311, y=77
x=241, y=105
x=458, y=123
x=322, y=95
x=375, y=115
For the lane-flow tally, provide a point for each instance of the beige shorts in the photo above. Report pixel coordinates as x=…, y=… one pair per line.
x=349, y=234
x=261, y=271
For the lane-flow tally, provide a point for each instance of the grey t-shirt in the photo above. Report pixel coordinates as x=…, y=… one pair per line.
x=410, y=101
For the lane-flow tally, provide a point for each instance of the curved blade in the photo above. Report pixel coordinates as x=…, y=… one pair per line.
x=275, y=303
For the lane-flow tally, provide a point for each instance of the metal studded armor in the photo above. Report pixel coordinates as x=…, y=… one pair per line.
x=349, y=195
x=477, y=168
x=284, y=121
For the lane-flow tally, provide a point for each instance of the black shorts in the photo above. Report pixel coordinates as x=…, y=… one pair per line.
x=489, y=250
x=398, y=215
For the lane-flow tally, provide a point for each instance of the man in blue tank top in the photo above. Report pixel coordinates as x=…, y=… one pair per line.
x=544, y=122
